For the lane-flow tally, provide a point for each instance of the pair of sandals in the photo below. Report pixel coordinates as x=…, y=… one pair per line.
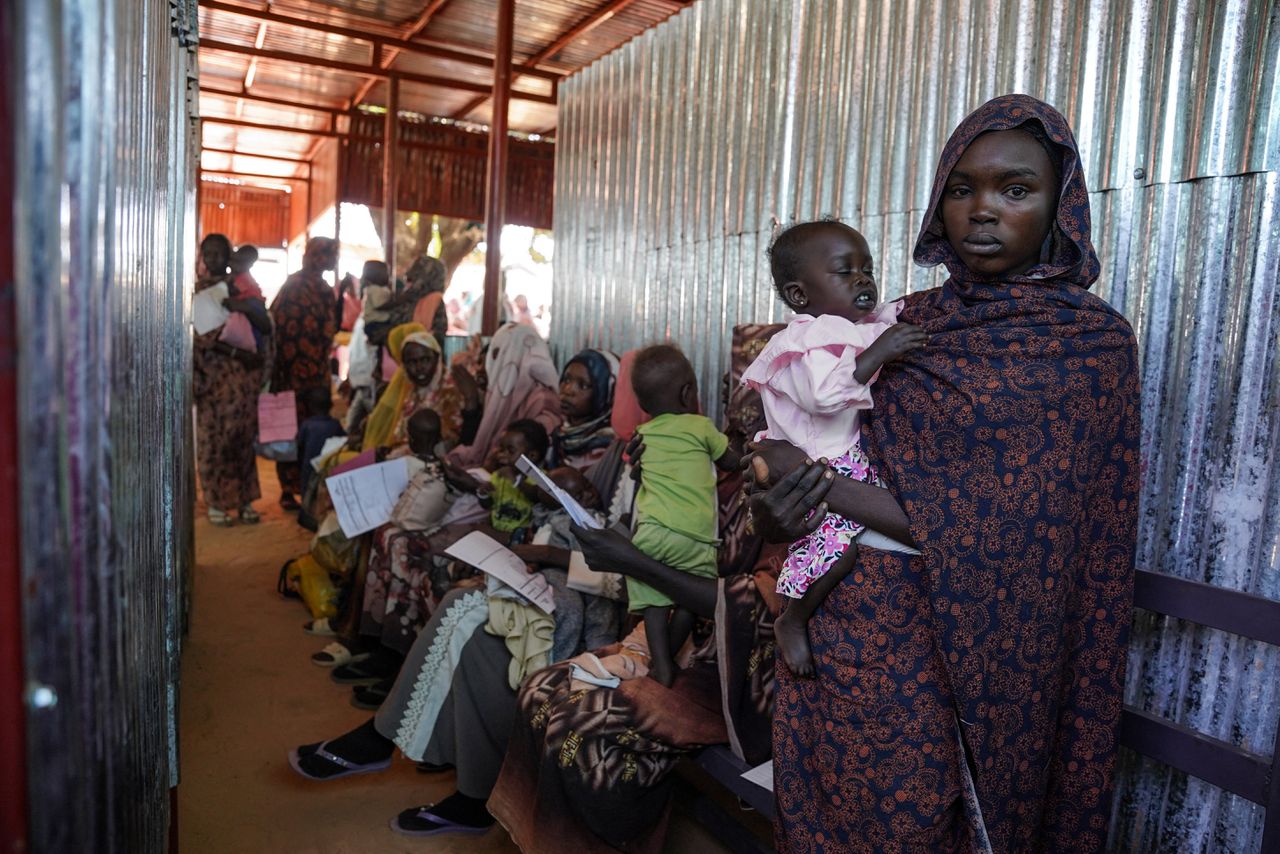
x=415, y=821
x=221, y=518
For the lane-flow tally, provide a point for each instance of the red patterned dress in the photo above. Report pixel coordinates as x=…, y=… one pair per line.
x=306, y=319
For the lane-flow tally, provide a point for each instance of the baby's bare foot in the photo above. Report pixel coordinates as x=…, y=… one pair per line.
x=792, y=636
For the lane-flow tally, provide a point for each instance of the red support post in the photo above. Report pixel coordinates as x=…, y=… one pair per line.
x=495, y=207
x=340, y=175
x=13, y=730
x=390, y=154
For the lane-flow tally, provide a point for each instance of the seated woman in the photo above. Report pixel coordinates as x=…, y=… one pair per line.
x=453, y=705
x=520, y=383
x=407, y=573
x=402, y=586
x=587, y=386
x=418, y=384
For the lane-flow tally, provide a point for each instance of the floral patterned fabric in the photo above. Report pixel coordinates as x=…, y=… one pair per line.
x=305, y=317
x=1011, y=441
x=589, y=769
x=809, y=558
x=226, y=397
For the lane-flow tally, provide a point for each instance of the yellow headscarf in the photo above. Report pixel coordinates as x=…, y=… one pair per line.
x=382, y=422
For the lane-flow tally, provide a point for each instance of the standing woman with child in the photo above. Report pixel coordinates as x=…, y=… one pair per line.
x=225, y=382
x=306, y=318
x=969, y=698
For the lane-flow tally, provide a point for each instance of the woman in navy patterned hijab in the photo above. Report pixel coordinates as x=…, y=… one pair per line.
x=969, y=698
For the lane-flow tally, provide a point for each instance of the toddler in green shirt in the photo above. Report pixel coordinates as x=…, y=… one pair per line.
x=675, y=507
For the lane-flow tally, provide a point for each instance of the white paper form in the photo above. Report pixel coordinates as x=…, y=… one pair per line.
x=576, y=512
x=488, y=555
x=761, y=775
x=207, y=312
x=365, y=497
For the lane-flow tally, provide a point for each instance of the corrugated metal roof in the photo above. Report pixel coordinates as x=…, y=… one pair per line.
x=459, y=26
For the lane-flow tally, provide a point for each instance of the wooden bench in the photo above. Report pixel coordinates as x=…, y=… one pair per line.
x=1253, y=776
x=726, y=820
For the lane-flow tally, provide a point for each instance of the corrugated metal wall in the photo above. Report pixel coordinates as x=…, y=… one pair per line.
x=104, y=233
x=679, y=152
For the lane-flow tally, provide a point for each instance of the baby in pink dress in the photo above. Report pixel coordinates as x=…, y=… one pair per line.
x=814, y=378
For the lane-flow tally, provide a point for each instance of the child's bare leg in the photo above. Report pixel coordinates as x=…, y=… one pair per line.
x=680, y=627
x=661, y=665
x=791, y=629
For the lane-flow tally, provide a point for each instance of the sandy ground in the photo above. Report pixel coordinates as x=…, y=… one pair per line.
x=250, y=693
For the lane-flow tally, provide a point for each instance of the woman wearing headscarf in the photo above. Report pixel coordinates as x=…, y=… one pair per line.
x=522, y=383
x=226, y=381
x=969, y=698
x=305, y=313
x=586, y=402
x=418, y=383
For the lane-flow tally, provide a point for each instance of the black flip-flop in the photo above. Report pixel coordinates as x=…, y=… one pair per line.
x=370, y=697
x=403, y=823
x=357, y=673
x=349, y=768
x=432, y=768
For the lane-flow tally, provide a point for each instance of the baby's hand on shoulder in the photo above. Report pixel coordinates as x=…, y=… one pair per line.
x=898, y=340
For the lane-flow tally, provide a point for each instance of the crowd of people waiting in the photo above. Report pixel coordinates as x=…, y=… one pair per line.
x=938, y=494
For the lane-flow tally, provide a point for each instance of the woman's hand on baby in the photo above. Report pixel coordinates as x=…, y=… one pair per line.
x=792, y=507
x=460, y=478
x=467, y=386
x=605, y=550
x=775, y=455
x=633, y=453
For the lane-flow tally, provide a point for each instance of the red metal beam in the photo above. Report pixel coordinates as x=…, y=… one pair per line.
x=495, y=206
x=584, y=26
x=390, y=153
x=239, y=173
x=279, y=102
x=385, y=42
x=276, y=157
x=242, y=123
x=364, y=70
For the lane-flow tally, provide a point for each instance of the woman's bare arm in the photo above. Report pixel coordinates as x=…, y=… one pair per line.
x=780, y=505
x=609, y=551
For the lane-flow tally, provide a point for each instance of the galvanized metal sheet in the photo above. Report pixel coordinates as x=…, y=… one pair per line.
x=679, y=153
x=105, y=150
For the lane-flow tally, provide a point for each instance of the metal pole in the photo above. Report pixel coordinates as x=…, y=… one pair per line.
x=495, y=208
x=390, y=153
x=339, y=178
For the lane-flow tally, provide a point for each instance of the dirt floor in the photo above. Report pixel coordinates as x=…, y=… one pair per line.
x=249, y=693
